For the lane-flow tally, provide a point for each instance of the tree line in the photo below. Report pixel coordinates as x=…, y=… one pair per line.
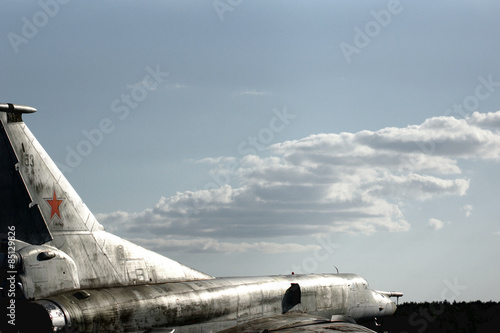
x=429, y=317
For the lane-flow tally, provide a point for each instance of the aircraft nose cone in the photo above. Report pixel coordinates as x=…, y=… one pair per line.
x=387, y=308
x=390, y=307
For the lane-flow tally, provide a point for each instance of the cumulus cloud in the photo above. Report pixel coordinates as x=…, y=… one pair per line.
x=467, y=209
x=320, y=184
x=436, y=224
x=485, y=120
x=210, y=245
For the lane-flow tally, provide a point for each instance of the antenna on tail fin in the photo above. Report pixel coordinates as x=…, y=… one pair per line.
x=15, y=111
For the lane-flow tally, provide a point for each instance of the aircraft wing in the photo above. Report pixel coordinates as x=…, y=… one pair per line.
x=297, y=322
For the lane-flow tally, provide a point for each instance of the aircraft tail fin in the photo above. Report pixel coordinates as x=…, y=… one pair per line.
x=41, y=200
x=45, y=211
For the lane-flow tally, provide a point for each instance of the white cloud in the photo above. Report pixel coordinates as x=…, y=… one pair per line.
x=467, y=209
x=323, y=183
x=251, y=92
x=215, y=246
x=177, y=86
x=436, y=224
x=485, y=120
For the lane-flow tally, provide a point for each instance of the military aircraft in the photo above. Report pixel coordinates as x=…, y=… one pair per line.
x=62, y=272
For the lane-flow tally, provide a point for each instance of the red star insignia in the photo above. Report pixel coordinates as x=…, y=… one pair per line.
x=54, y=204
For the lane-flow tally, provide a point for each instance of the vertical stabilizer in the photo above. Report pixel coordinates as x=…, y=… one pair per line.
x=18, y=207
x=34, y=177
x=48, y=214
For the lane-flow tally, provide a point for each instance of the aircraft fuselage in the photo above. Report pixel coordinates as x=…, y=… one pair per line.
x=214, y=304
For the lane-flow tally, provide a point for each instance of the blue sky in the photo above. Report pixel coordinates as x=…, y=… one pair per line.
x=255, y=138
